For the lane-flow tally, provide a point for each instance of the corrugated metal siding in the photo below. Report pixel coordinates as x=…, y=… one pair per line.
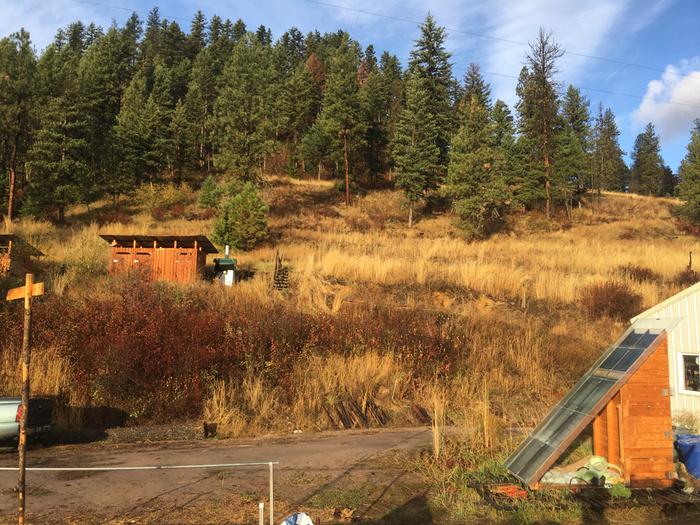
x=683, y=339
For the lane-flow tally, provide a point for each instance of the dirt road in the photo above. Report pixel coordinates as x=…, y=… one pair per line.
x=316, y=473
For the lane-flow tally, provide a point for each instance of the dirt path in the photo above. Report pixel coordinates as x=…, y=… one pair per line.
x=316, y=472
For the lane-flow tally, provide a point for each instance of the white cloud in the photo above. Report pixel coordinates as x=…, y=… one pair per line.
x=679, y=84
x=43, y=18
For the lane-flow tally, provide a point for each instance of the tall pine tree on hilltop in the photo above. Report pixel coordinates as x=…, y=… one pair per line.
x=647, y=173
x=415, y=150
x=609, y=168
x=431, y=62
x=539, y=106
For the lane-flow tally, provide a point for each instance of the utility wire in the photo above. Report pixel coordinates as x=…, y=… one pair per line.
x=608, y=92
x=128, y=9
x=500, y=39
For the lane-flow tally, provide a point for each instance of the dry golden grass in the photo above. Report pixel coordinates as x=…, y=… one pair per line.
x=49, y=373
x=242, y=408
x=321, y=382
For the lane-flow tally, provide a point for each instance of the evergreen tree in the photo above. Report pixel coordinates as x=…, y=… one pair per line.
x=476, y=87
x=431, y=61
x=539, y=106
x=210, y=194
x=57, y=167
x=609, y=168
x=689, y=174
x=199, y=106
x=339, y=115
x=475, y=181
x=647, y=173
x=244, y=111
x=242, y=220
x=571, y=167
x=576, y=115
x=415, y=149
x=504, y=129
x=299, y=105
x=17, y=92
x=196, y=40
x=131, y=162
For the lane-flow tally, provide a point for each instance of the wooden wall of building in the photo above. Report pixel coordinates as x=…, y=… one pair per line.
x=181, y=265
x=634, y=431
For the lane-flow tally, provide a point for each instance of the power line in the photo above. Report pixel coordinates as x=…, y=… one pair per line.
x=608, y=92
x=127, y=9
x=501, y=39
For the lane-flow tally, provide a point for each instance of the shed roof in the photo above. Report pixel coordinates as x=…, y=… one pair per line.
x=29, y=249
x=164, y=241
x=663, y=304
x=550, y=439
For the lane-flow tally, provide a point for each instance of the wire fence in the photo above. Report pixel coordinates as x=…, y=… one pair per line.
x=269, y=464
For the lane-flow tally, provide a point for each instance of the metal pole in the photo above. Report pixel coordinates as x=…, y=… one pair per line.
x=22, y=446
x=261, y=513
x=272, y=494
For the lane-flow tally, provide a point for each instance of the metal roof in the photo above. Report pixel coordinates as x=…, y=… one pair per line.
x=163, y=241
x=663, y=304
x=31, y=250
x=550, y=439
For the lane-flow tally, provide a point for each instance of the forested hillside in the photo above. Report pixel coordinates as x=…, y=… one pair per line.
x=103, y=110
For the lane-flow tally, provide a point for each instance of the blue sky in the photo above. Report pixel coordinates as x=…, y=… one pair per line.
x=661, y=35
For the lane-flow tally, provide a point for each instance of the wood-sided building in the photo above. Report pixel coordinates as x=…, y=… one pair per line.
x=174, y=258
x=15, y=254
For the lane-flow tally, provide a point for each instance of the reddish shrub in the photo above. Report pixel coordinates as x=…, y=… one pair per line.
x=610, y=298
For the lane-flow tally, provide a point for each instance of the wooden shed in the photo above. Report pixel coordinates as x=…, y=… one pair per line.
x=175, y=258
x=15, y=254
x=625, y=397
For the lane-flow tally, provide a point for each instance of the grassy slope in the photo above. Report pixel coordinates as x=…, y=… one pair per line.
x=526, y=284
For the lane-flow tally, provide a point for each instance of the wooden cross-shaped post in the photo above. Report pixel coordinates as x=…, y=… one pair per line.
x=25, y=292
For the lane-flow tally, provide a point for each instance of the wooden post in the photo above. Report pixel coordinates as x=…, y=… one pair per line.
x=25, y=292
x=26, y=345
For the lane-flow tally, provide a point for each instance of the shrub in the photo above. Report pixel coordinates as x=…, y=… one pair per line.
x=638, y=273
x=242, y=221
x=159, y=199
x=685, y=278
x=210, y=194
x=610, y=298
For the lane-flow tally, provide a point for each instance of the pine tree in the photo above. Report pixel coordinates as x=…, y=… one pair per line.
x=196, y=40
x=131, y=163
x=244, y=111
x=689, y=174
x=571, y=167
x=475, y=181
x=609, y=168
x=299, y=105
x=415, y=149
x=210, y=194
x=57, y=167
x=647, y=173
x=242, y=220
x=199, y=106
x=339, y=115
x=475, y=86
x=539, y=106
x=431, y=61
x=17, y=88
